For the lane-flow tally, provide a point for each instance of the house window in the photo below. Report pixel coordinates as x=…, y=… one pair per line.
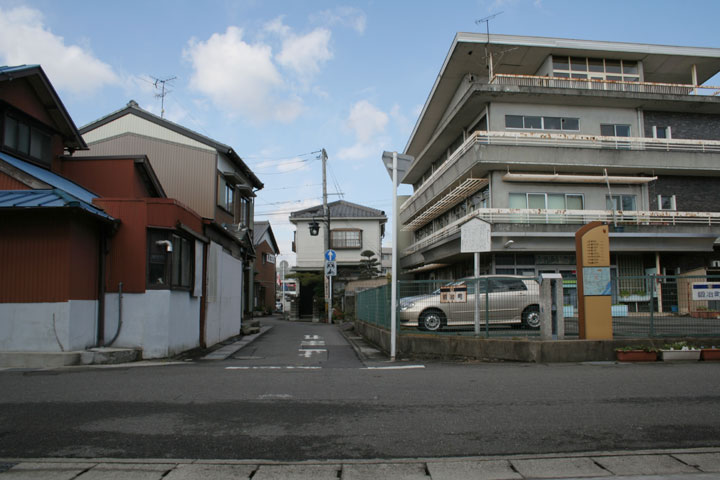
x=553, y=201
x=268, y=258
x=20, y=137
x=620, y=202
x=170, y=260
x=229, y=197
x=667, y=202
x=529, y=122
x=348, y=238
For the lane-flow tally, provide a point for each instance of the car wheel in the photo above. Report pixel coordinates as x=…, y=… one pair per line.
x=531, y=317
x=432, y=320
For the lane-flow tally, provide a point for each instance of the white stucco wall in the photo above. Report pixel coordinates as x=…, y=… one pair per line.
x=224, y=295
x=160, y=322
x=48, y=327
x=311, y=250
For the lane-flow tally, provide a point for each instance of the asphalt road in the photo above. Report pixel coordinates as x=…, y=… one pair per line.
x=274, y=400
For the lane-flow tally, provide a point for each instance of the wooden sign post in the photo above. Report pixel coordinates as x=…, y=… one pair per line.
x=592, y=247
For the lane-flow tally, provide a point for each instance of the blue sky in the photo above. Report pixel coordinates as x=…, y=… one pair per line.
x=277, y=80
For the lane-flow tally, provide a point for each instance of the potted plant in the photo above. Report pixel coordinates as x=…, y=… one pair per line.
x=680, y=351
x=710, y=353
x=636, y=354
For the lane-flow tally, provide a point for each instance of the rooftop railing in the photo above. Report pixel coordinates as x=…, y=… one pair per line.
x=581, y=217
x=605, y=85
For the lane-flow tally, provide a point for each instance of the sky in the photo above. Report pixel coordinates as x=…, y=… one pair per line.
x=279, y=80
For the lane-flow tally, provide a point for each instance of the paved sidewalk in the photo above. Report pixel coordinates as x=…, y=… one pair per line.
x=690, y=464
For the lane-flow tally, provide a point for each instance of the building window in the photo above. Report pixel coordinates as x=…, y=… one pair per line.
x=667, y=202
x=661, y=132
x=20, y=137
x=620, y=202
x=612, y=130
x=170, y=260
x=244, y=213
x=595, y=68
x=229, y=197
x=544, y=201
x=529, y=122
x=346, y=239
x=268, y=258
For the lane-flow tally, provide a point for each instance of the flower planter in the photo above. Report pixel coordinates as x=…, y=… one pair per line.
x=635, y=356
x=680, y=355
x=710, y=354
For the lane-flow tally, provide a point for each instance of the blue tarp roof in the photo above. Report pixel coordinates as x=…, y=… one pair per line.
x=51, y=178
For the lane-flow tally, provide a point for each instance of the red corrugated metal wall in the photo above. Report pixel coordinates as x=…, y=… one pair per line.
x=9, y=183
x=127, y=259
x=114, y=178
x=47, y=256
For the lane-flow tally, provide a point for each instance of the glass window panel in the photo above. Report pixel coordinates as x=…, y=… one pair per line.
x=607, y=130
x=23, y=138
x=622, y=130
x=513, y=121
x=612, y=66
x=505, y=271
x=186, y=263
x=11, y=127
x=611, y=203
x=533, y=122
x=628, y=202
x=667, y=202
x=578, y=64
x=561, y=75
x=596, y=65
x=570, y=124
x=39, y=144
x=560, y=63
x=517, y=200
x=552, y=123
x=630, y=67
x=574, y=202
x=660, y=132
x=556, y=201
x=504, y=260
x=632, y=79
x=615, y=78
x=536, y=200
x=579, y=75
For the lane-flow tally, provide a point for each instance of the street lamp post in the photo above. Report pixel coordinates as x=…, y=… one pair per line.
x=397, y=165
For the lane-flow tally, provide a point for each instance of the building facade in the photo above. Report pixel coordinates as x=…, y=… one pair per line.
x=538, y=136
x=354, y=229
x=266, y=279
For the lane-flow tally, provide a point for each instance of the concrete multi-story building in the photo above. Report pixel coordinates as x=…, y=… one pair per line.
x=538, y=136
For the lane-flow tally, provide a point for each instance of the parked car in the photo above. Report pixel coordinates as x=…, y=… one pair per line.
x=510, y=300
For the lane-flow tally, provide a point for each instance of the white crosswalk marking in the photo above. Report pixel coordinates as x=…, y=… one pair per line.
x=307, y=353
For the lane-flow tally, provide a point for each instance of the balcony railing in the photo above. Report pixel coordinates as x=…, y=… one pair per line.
x=577, y=217
x=529, y=139
x=604, y=85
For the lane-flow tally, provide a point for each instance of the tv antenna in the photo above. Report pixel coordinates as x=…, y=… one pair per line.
x=488, y=55
x=163, y=92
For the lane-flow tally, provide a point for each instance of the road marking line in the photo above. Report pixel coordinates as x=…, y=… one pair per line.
x=289, y=367
x=398, y=367
x=307, y=353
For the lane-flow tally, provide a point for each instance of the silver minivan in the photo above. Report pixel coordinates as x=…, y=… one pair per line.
x=510, y=300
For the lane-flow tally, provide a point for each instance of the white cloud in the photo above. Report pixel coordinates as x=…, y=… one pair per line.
x=240, y=77
x=368, y=124
x=24, y=39
x=346, y=16
x=305, y=54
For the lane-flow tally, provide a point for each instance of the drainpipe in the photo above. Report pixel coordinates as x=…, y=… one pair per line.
x=100, y=339
x=119, y=326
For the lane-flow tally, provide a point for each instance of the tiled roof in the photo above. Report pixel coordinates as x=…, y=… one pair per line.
x=340, y=209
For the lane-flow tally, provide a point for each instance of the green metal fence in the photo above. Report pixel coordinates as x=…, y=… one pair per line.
x=373, y=306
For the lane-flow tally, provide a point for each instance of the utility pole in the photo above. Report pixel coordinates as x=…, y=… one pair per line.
x=161, y=95
x=326, y=214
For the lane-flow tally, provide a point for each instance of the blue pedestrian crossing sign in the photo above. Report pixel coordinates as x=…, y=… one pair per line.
x=330, y=255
